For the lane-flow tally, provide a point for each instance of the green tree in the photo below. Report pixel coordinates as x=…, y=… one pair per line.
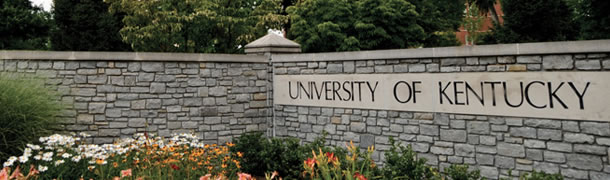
x=220, y=26
x=323, y=25
x=535, y=21
x=440, y=20
x=387, y=24
x=86, y=25
x=593, y=18
x=472, y=23
x=23, y=26
x=486, y=6
x=347, y=25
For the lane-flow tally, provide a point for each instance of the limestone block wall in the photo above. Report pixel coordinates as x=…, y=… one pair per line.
x=216, y=99
x=493, y=144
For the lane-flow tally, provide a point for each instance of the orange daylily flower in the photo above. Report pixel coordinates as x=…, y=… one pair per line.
x=16, y=174
x=359, y=176
x=244, y=176
x=125, y=173
x=310, y=162
x=206, y=177
x=33, y=171
x=4, y=174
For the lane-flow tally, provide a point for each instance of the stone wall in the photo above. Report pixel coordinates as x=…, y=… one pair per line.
x=217, y=100
x=220, y=97
x=493, y=144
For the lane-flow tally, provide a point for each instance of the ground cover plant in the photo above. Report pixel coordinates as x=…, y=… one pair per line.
x=28, y=109
x=143, y=157
x=184, y=157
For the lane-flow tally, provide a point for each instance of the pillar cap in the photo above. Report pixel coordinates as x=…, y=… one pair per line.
x=273, y=43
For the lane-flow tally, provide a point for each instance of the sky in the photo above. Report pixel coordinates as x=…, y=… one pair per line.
x=46, y=4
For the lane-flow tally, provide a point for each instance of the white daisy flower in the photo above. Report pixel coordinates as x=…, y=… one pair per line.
x=58, y=162
x=76, y=158
x=23, y=159
x=42, y=168
x=7, y=164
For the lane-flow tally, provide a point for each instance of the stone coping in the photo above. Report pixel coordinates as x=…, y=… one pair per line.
x=130, y=56
x=564, y=47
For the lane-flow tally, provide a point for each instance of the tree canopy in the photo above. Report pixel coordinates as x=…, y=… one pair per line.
x=347, y=25
x=593, y=18
x=23, y=26
x=220, y=26
x=535, y=21
x=86, y=25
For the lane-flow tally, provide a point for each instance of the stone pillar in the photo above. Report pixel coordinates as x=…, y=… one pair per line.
x=272, y=43
x=269, y=45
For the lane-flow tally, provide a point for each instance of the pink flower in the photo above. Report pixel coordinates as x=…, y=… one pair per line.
x=244, y=176
x=4, y=174
x=125, y=173
x=16, y=174
x=33, y=171
x=206, y=177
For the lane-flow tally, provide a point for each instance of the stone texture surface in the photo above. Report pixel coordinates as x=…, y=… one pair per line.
x=112, y=99
x=222, y=100
x=493, y=144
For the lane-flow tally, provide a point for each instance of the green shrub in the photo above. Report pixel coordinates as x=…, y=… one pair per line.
x=28, y=110
x=251, y=145
x=460, y=172
x=401, y=163
x=284, y=155
x=539, y=175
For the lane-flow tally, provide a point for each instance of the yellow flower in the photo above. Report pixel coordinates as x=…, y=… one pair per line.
x=99, y=161
x=240, y=154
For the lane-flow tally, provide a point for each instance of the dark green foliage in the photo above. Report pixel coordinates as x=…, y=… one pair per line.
x=284, y=155
x=460, y=172
x=29, y=110
x=593, y=18
x=535, y=21
x=539, y=175
x=209, y=26
x=251, y=144
x=401, y=163
x=387, y=24
x=440, y=19
x=486, y=6
x=323, y=25
x=86, y=25
x=350, y=25
x=23, y=26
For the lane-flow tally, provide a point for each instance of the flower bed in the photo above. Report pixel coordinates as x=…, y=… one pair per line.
x=184, y=157
x=143, y=157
